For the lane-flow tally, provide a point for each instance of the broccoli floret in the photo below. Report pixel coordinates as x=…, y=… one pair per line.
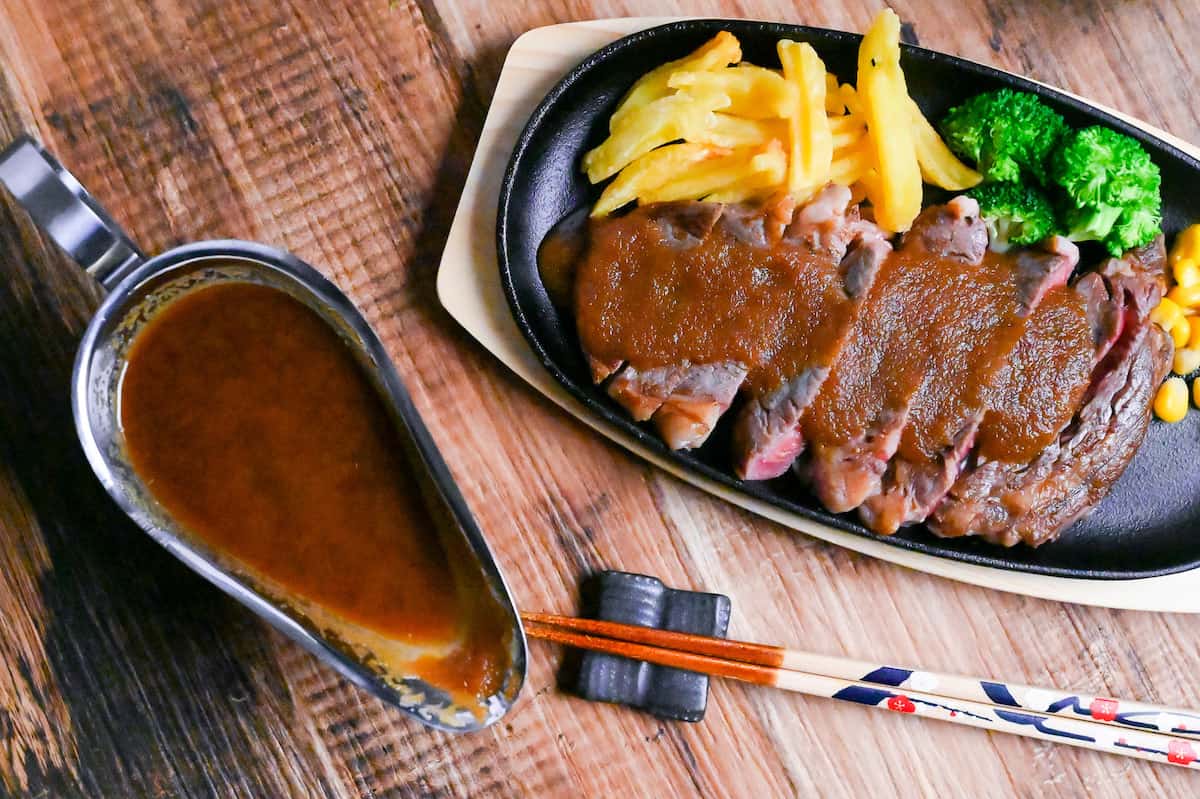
x=964, y=125
x=1112, y=186
x=1090, y=223
x=1014, y=214
x=1006, y=133
x=1137, y=227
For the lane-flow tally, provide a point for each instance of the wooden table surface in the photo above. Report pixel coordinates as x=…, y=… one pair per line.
x=343, y=132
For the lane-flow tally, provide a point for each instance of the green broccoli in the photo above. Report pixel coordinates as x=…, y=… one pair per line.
x=1112, y=186
x=1014, y=214
x=1006, y=133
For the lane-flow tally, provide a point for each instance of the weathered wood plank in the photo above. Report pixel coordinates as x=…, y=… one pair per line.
x=344, y=132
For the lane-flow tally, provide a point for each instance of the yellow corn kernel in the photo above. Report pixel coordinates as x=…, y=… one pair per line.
x=1180, y=331
x=1186, y=361
x=1166, y=313
x=1186, y=296
x=1187, y=272
x=1171, y=401
x=1196, y=392
x=1187, y=245
x=1193, y=342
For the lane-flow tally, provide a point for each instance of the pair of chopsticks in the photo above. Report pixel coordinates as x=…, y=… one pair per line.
x=1149, y=732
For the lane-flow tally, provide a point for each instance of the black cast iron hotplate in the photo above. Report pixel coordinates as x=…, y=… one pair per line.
x=1148, y=525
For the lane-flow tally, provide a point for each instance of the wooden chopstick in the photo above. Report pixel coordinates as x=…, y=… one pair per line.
x=759, y=654
x=1102, y=727
x=1120, y=713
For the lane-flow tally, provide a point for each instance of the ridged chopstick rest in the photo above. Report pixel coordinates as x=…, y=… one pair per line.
x=645, y=601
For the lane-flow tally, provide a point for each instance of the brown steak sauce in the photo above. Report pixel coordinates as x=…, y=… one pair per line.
x=1043, y=383
x=931, y=334
x=641, y=297
x=253, y=425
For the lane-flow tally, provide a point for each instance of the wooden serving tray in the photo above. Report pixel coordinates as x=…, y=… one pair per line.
x=469, y=287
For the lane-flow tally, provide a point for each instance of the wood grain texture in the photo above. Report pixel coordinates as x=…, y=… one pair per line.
x=343, y=131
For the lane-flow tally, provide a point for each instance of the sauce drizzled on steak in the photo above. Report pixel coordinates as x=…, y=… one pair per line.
x=662, y=287
x=893, y=381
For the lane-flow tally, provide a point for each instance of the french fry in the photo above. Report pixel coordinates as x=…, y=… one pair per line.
x=698, y=128
x=754, y=92
x=833, y=102
x=847, y=123
x=846, y=130
x=810, y=139
x=756, y=187
x=850, y=164
x=767, y=173
x=718, y=52
x=652, y=171
x=677, y=116
x=939, y=166
x=727, y=130
x=849, y=97
x=871, y=186
x=757, y=167
x=884, y=96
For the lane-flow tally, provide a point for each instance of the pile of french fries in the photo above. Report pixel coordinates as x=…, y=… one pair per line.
x=710, y=127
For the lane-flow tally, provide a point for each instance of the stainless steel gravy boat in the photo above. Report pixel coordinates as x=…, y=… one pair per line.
x=137, y=288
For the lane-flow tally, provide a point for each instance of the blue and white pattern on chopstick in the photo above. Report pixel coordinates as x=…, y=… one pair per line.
x=882, y=680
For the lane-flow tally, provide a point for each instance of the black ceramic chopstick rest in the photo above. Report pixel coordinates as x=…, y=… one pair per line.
x=643, y=600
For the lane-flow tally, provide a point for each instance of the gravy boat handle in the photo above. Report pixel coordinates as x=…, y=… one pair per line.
x=62, y=207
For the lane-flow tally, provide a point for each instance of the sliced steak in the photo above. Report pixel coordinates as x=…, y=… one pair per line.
x=768, y=435
x=1140, y=274
x=1078, y=469
x=957, y=384
x=643, y=391
x=688, y=416
x=1040, y=464
x=855, y=423
x=602, y=369
x=953, y=230
x=678, y=304
x=1033, y=401
x=827, y=223
x=1102, y=442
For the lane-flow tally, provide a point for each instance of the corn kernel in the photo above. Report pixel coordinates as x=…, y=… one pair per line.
x=1194, y=334
x=1187, y=243
x=1186, y=361
x=1170, y=403
x=1187, y=273
x=1196, y=392
x=1179, y=331
x=1186, y=296
x=1166, y=313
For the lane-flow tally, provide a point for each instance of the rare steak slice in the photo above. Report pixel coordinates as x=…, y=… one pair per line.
x=767, y=435
x=680, y=305
x=688, y=416
x=1034, y=399
x=1043, y=460
x=643, y=391
x=969, y=353
x=925, y=293
x=1101, y=442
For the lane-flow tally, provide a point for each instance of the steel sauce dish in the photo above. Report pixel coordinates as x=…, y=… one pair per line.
x=137, y=288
